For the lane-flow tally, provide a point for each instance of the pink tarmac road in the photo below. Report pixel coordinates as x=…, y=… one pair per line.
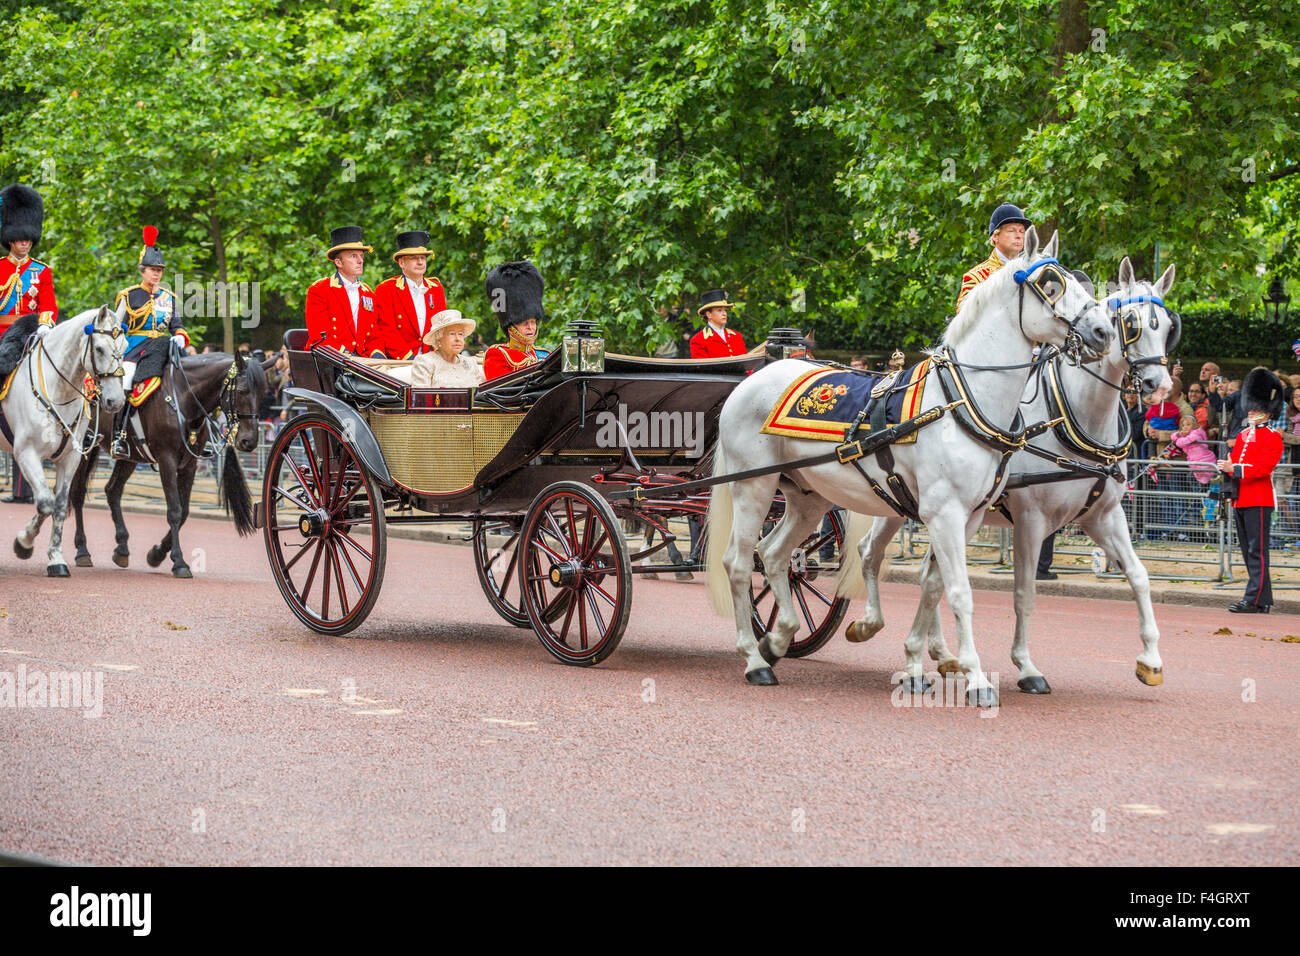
x=438, y=734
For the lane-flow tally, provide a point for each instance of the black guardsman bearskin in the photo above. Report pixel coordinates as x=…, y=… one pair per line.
x=413, y=243
x=515, y=292
x=347, y=237
x=1261, y=392
x=1004, y=214
x=21, y=214
x=150, y=255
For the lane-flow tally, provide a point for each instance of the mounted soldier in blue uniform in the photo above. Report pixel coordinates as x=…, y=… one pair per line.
x=153, y=324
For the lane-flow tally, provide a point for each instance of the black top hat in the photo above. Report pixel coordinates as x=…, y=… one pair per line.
x=150, y=254
x=1004, y=214
x=21, y=215
x=344, y=238
x=412, y=243
x=713, y=299
x=1261, y=391
x=515, y=292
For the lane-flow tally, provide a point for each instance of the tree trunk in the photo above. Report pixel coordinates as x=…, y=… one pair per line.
x=223, y=299
x=1073, y=34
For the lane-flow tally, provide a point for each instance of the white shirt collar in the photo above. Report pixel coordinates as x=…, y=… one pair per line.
x=719, y=329
x=998, y=253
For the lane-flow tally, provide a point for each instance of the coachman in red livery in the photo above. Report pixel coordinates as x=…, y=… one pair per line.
x=341, y=307
x=715, y=340
x=406, y=304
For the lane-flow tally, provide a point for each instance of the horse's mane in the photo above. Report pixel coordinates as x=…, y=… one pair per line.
x=15, y=338
x=974, y=304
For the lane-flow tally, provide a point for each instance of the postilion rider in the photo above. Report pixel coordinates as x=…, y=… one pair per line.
x=26, y=284
x=1007, y=228
x=714, y=339
x=340, y=308
x=514, y=292
x=152, y=318
x=406, y=304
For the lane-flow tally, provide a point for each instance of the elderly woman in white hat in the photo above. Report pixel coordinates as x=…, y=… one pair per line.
x=447, y=366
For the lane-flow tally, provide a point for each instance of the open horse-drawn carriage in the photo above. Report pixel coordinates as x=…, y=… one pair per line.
x=530, y=461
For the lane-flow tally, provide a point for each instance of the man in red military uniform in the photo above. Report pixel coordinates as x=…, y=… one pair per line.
x=341, y=308
x=715, y=340
x=515, y=292
x=1007, y=228
x=1255, y=454
x=406, y=304
x=26, y=285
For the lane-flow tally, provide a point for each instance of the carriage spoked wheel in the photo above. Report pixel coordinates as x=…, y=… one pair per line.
x=577, y=581
x=325, y=533
x=813, y=587
x=498, y=571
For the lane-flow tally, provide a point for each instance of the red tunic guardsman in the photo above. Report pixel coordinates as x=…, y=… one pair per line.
x=340, y=308
x=515, y=292
x=715, y=340
x=406, y=304
x=1007, y=228
x=1255, y=453
x=26, y=284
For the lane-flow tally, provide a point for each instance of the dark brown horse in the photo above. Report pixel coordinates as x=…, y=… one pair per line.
x=175, y=424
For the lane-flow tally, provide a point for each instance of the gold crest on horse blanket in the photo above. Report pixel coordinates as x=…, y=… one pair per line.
x=823, y=404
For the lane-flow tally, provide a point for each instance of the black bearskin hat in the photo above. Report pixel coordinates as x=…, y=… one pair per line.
x=515, y=293
x=21, y=214
x=1261, y=391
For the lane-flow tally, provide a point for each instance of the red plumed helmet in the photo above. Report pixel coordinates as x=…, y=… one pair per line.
x=151, y=255
x=150, y=235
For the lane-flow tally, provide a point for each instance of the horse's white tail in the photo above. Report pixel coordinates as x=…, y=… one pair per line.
x=850, y=584
x=717, y=529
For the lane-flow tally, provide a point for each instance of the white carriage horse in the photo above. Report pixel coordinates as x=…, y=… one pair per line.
x=47, y=411
x=950, y=472
x=1091, y=431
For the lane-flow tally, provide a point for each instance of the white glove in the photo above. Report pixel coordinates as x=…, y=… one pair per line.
x=42, y=330
x=180, y=341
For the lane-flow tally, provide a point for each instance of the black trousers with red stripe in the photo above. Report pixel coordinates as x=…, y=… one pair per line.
x=1252, y=533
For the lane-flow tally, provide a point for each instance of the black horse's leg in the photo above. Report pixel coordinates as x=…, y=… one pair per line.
x=77, y=498
x=184, y=485
x=168, y=470
x=122, y=470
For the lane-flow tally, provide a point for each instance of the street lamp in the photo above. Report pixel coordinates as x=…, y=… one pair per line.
x=1275, y=306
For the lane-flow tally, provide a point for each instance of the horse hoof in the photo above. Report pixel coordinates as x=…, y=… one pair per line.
x=121, y=560
x=1151, y=676
x=83, y=561
x=916, y=685
x=949, y=667
x=22, y=552
x=182, y=573
x=763, y=677
x=1034, y=685
x=982, y=697
x=58, y=571
x=154, y=557
x=765, y=650
x=857, y=632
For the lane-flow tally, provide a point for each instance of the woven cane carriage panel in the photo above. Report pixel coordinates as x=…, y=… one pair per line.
x=440, y=453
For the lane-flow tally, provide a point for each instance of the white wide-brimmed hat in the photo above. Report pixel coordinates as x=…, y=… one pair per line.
x=445, y=320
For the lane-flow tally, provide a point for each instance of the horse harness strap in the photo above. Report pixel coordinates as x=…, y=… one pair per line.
x=968, y=414
x=1071, y=434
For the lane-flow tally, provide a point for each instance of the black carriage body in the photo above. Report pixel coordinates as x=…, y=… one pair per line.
x=454, y=454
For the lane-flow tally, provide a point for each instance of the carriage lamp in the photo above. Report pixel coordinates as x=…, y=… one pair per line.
x=583, y=347
x=1275, y=309
x=785, y=343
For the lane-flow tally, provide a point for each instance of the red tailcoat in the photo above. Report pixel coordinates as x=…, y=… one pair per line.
x=504, y=359
x=329, y=311
x=1255, y=454
x=398, y=328
x=25, y=287
x=707, y=343
x=977, y=275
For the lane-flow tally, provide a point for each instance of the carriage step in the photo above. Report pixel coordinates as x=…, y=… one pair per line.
x=259, y=514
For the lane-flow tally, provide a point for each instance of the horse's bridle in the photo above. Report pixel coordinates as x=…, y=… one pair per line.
x=1049, y=286
x=1127, y=315
x=88, y=361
